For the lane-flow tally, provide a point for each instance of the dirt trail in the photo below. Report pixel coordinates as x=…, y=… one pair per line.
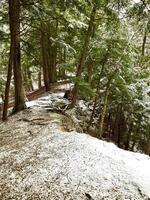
x=38, y=93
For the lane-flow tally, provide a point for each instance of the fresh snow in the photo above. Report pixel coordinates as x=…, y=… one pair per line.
x=62, y=165
x=40, y=160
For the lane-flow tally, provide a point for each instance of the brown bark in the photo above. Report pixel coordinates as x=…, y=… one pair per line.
x=127, y=143
x=144, y=43
x=118, y=125
x=147, y=151
x=95, y=101
x=30, y=80
x=114, y=127
x=103, y=114
x=52, y=63
x=14, y=60
x=62, y=62
x=39, y=79
x=52, y=51
x=14, y=9
x=44, y=60
x=7, y=87
x=90, y=71
x=49, y=53
x=104, y=60
x=9, y=75
x=143, y=47
x=83, y=54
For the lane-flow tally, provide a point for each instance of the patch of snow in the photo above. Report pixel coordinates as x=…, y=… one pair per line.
x=66, y=86
x=61, y=165
x=47, y=101
x=82, y=105
x=40, y=161
x=1, y=101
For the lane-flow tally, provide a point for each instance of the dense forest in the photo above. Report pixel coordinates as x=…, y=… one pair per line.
x=102, y=47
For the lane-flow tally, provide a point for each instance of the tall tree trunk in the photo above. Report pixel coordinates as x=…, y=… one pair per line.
x=147, y=151
x=44, y=61
x=83, y=54
x=14, y=9
x=62, y=62
x=127, y=143
x=95, y=99
x=25, y=78
x=52, y=63
x=118, y=128
x=14, y=60
x=143, y=47
x=39, y=78
x=7, y=87
x=90, y=71
x=115, y=125
x=144, y=42
x=52, y=51
x=104, y=60
x=29, y=73
x=103, y=114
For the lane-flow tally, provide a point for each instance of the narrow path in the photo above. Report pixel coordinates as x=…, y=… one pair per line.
x=38, y=93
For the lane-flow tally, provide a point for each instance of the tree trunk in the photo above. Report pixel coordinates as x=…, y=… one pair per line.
x=90, y=71
x=147, y=151
x=143, y=47
x=29, y=73
x=44, y=60
x=62, y=61
x=115, y=124
x=83, y=54
x=118, y=128
x=52, y=51
x=127, y=143
x=95, y=100
x=103, y=114
x=14, y=20
x=7, y=88
x=144, y=42
x=52, y=63
x=104, y=60
x=39, y=78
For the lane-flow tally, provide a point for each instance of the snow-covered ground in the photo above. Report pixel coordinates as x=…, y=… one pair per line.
x=55, y=101
x=42, y=158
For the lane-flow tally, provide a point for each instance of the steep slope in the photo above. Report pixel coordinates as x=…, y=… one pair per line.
x=40, y=160
x=42, y=157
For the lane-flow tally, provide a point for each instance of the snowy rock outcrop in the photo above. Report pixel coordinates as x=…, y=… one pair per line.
x=40, y=160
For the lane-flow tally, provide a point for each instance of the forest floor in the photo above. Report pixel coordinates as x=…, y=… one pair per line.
x=32, y=95
x=43, y=157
